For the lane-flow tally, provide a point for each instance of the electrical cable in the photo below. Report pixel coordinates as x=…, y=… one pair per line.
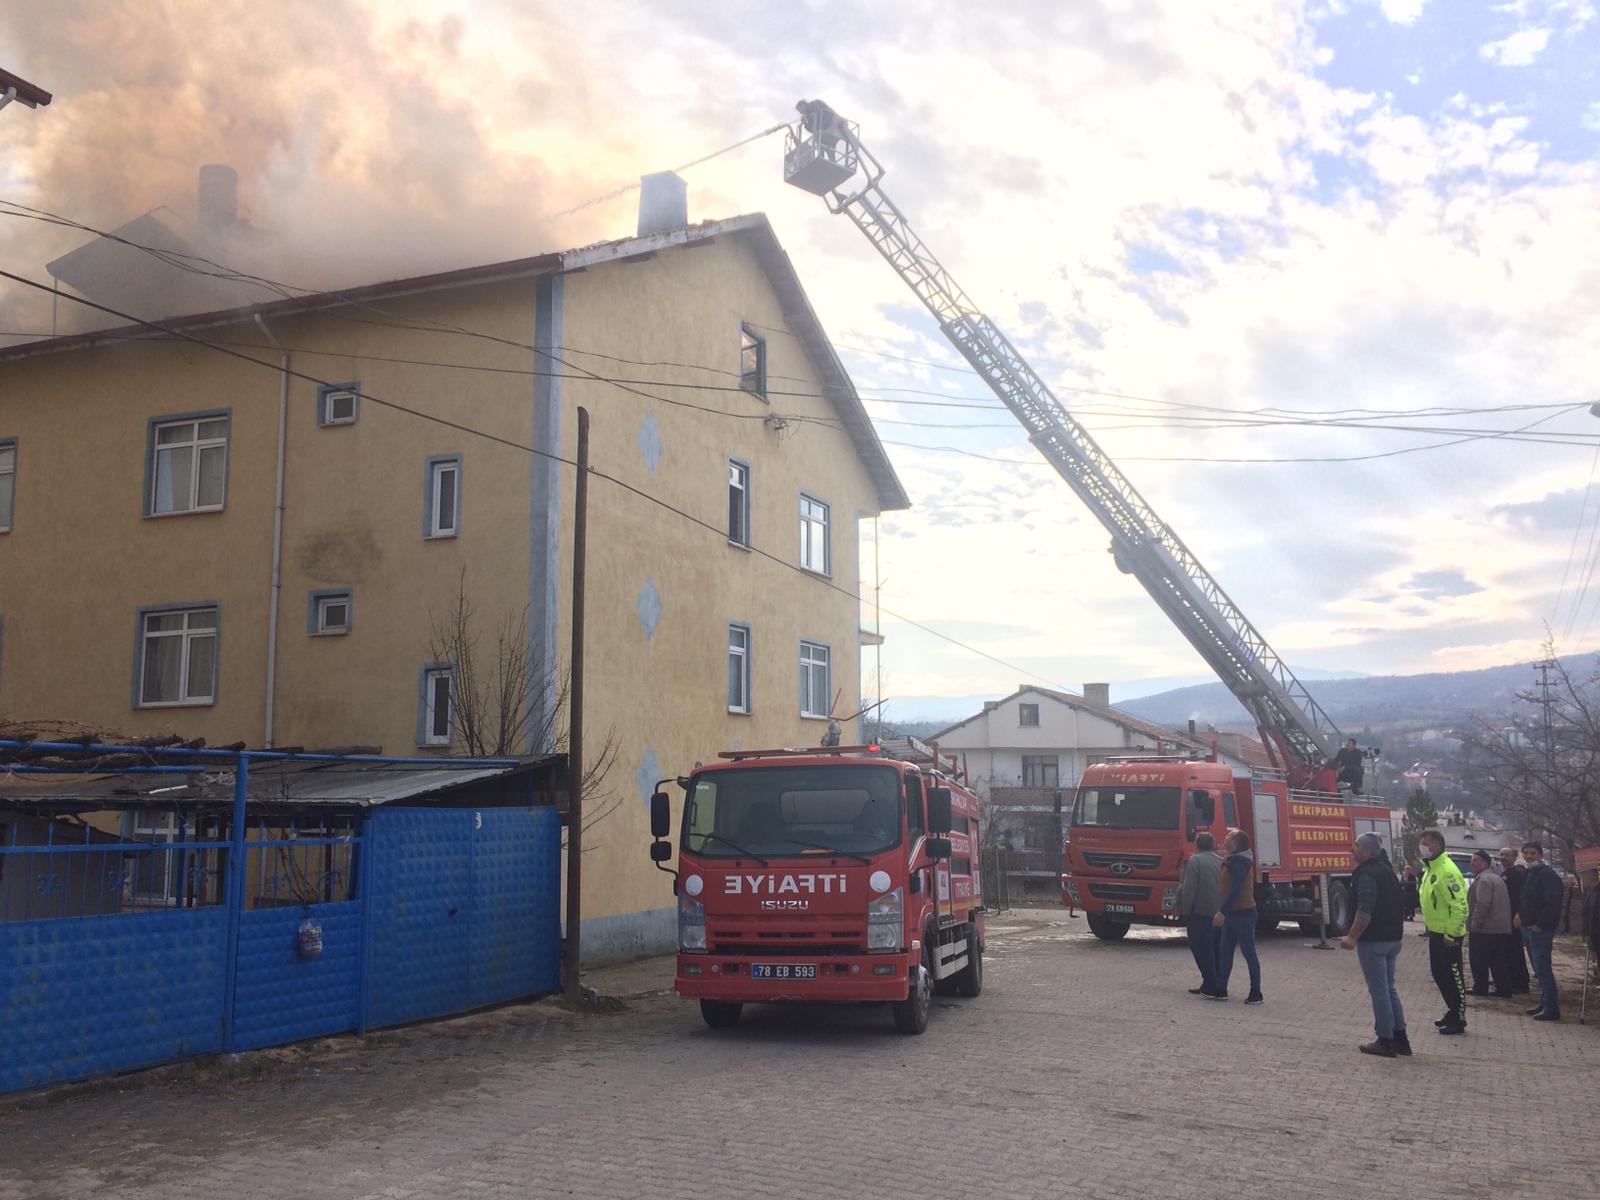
x=719, y=530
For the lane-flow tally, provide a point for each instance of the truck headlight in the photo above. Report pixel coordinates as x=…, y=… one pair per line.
x=1169, y=898
x=691, y=925
x=886, y=921
x=1072, y=888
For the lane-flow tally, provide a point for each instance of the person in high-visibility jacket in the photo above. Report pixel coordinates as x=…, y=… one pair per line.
x=1444, y=910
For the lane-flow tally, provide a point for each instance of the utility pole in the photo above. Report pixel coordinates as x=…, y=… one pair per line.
x=14, y=87
x=572, y=952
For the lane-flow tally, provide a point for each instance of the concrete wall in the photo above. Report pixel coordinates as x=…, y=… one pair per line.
x=82, y=558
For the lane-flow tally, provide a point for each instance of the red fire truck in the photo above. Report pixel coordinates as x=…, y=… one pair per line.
x=1134, y=822
x=833, y=873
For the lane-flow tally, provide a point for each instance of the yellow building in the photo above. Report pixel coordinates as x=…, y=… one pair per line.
x=263, y=539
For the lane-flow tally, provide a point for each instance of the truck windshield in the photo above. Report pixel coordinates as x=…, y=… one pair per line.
x=789, y=811
x=1127, y=807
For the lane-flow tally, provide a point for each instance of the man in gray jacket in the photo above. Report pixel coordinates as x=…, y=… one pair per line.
x=1488, y=928
x=1199, y=897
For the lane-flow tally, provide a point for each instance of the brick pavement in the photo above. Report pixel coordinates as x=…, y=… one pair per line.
x=1084, y=1069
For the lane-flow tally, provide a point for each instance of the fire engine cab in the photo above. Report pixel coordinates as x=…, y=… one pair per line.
x=824, y=874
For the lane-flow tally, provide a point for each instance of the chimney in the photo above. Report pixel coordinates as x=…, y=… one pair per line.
x=663, y=203
x=1098, y=693
x=219, y=199
x=1191, y=726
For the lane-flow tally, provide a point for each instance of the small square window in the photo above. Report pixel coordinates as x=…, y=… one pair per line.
x=752, y=361
x=330, y=613
x=338, y=404
x=1028, y=715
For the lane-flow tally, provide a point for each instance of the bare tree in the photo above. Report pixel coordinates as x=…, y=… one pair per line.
x=1542, y=762
x=493, y=686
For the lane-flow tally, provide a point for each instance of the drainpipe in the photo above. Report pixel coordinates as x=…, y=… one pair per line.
x=277, y=532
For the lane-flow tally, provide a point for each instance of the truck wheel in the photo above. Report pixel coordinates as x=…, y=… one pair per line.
x=721, y=1014
x=911, y=1014
x=1106, y=929
x=969, y=980
x=1339, y=913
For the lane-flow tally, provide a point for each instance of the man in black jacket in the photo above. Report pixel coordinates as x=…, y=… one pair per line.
x=1378, y=935
x=1350, y=764
x=1514, y=873
x=1540, y=912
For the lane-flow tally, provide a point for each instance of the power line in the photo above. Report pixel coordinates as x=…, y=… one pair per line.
x=632, y=489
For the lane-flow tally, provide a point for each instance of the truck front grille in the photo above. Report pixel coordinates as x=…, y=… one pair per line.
x=786, y=934
x=1139, y=862
x=1118, y=891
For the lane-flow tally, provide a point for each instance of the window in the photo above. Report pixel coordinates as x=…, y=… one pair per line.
x=1040, y=771
x=442, y=512
x=738, y=668
x=436, y=720
x=752, y=361
x=338, y=403
x=178, y=656
x=738, y=502
x=8, y=483
x=814, y=549
x=816, y=692
x=152, y=880
x=330, y=612
x=1028, y=716
x=915, y=826
x=188, y=465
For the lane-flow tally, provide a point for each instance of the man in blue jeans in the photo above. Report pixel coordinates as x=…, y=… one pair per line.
x=1237, y=916
x=1539, y=914
x=1199, y=894
x=1377, y=935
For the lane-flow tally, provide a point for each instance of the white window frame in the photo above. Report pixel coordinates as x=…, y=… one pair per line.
x=430, y=734
x=8, y=483
x=190, y=634
x=325, y=401
x=437, y=468
x=814, y=657
x=160, y=827
x=739, y=482
x=816, y=524
x=325, y=601
x=739, y=649
x=197, y=445
x=750, y=340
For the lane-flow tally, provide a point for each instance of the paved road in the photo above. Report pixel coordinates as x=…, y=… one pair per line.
x=1084, y=1069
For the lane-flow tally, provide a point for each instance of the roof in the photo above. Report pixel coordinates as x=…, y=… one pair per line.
x=836, y=383
x=344, y=784
x=1106, y=712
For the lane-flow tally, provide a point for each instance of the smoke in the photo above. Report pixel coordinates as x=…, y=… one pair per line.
x=368, y=146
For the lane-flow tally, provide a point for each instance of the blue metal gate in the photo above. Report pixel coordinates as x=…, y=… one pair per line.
x=118, y=952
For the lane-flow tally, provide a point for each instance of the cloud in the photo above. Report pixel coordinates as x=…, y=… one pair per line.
x=1435, y=585
x=1403, y=12
x=1554, y=511
x=1520, y=49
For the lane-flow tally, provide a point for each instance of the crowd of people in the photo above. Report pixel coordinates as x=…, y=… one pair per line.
x=1503, y=919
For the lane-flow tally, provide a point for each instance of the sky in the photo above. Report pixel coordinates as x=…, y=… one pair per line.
x=1204, y=224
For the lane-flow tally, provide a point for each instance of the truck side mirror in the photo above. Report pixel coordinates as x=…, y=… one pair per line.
x=660, y=816
x=938, y=848
x=660, y=852
x=939, y=820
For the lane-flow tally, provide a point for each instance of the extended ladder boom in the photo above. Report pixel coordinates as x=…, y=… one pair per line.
x=824, y=156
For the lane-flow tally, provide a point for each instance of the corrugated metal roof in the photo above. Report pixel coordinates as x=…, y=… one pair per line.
x=359, y=785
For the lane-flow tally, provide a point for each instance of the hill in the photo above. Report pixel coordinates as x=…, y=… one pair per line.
x=1396, y=702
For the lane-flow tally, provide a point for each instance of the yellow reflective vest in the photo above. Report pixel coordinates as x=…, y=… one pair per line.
x=1444, y=898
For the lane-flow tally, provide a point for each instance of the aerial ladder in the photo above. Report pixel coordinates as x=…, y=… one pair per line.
x=824, y=155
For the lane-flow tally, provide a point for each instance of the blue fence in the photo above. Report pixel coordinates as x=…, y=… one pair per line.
x=160, y=941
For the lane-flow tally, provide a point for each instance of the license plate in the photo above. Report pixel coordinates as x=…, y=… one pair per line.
x=1119, y=908
x=783, y=971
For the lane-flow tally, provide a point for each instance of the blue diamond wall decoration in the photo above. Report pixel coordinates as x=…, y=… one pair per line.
x=650, y=444
x=649, y=608
x=649, y=771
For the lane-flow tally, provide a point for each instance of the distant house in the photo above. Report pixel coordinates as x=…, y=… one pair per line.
x=1025, y=751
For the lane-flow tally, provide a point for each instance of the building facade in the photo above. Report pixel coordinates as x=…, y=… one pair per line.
x=345, y=519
